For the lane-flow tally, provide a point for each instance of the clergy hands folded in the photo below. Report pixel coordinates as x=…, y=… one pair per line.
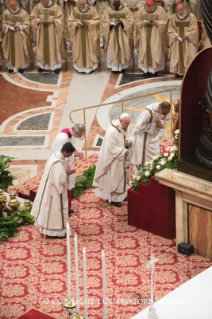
x=159, y=124
x=153, y=23
x=185, y=37
x=127, y=151
x=70, y=171
x=17, y=28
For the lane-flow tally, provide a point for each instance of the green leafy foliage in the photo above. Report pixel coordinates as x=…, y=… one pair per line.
x=157, y=164
x=6, y=179
x=84, y=181
x=9, y=225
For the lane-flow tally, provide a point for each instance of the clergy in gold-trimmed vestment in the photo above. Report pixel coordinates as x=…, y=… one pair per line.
x=152, y=25
x=101, y=6
x=50, y=207
x=147, y=132
x=117, y=23
x=47, y=23
x=69, y=6
x=83, y=26
x=183, y=40
x=111, y=178
x=16, y=35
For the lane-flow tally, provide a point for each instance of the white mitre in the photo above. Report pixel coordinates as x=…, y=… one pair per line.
x=123, y=115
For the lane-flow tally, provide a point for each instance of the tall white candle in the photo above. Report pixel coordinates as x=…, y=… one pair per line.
x=85, y=285
x=68, y=260
x=76, y=272
x=104, y=286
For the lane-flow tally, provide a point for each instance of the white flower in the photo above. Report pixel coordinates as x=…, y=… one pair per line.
x=172, y=155
x=138, y=177
x=147, y=163
x=151, y=167
x=173, y=148
x=166, y=154
x=176, y=137
x=155, y=157
x=147, y=173
x=163, y=162
x=158, y=166
x=134, y=176
x=169, y=158
x=177, y=132
x=151, y=162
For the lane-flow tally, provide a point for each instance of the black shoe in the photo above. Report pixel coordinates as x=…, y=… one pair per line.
x=117, y=204
x=57, y=71
x=40, y=70
x=62, y=236
x=21, y=70
x=70, y=212
x=123, y=71
x=125, y=200
x=10, y=71
x=178, y=75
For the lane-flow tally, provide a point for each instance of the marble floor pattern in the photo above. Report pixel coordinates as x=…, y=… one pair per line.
x=35, y=107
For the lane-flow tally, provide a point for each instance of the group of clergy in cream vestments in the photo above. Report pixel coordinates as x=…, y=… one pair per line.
x=115, y=22
x=122, y=147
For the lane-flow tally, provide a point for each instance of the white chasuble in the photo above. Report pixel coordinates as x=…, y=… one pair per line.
x=50, y=207
x=147, y=135
x=110, y=178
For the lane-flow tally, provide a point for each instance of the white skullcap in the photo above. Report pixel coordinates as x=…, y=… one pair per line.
x=123, y=115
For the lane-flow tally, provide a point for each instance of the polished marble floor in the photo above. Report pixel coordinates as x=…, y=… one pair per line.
x=35, y=107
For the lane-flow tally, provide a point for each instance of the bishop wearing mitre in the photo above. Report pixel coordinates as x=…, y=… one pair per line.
x=183, y=40
x=111, y=175
x=84, y=27
x=47, y=23
x=16, y=35
x=117, y=23
x=152, y=25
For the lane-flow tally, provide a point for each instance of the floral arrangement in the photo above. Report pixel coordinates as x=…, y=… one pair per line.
x=9, y=225
x=84, y=181
x=157, y=164
x=6, y=179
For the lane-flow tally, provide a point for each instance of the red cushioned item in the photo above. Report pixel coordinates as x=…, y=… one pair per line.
x=34, y=314
x=152, y=208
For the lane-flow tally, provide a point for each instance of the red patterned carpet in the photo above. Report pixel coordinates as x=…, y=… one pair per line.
x=33, y=268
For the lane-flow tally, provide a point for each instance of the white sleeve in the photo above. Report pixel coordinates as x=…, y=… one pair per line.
x=121, y=156
x=150, y=128
x=142, y=122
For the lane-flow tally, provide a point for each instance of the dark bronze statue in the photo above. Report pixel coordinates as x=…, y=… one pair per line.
x=204, y=149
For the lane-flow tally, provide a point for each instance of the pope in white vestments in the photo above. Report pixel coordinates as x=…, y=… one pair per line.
x=50, y=207
x=69, y=135
x=147, y=132
x=111, y=178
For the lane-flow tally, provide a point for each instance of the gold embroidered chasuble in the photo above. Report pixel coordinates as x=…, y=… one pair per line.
x=68, y=9
x=151, y=41
x=182, y=53
x=16, y=46
x=117, y=40
x=85, y=45
x=49, y=37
